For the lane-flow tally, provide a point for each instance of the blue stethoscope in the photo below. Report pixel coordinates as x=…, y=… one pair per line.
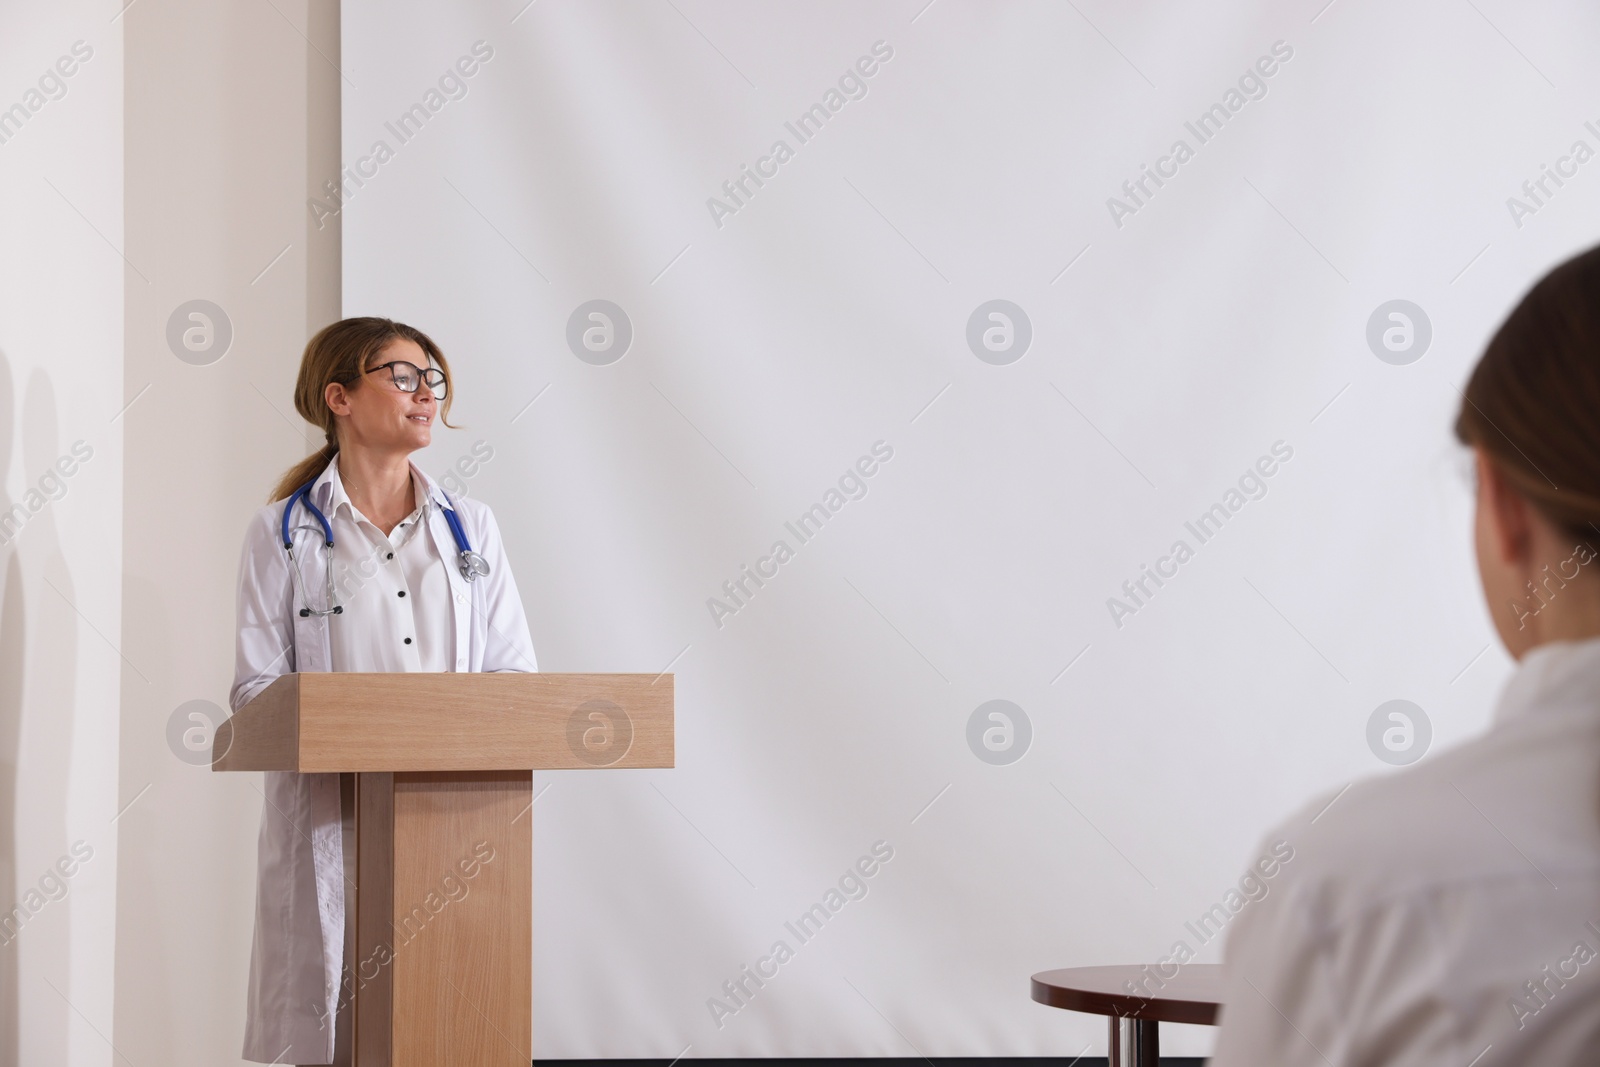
x=473, y=566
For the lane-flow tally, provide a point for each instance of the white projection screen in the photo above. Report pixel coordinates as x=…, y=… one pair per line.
x=979, y=310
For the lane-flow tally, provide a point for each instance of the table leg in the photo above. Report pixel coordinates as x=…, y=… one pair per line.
x=1134, y=1043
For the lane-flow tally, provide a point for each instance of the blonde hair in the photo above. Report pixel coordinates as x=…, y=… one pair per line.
x=339, y=353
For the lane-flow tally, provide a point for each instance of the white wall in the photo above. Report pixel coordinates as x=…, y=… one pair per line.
x=61, y=281
x=772, y=347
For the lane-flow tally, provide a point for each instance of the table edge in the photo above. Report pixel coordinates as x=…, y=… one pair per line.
x=1165, y=1010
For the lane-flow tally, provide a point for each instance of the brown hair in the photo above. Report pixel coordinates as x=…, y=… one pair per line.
x=1534, y=398
x=339, y=353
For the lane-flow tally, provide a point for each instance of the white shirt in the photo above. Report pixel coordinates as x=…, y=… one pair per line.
x=1447, y=914
x=294, y=995
x=393, y=589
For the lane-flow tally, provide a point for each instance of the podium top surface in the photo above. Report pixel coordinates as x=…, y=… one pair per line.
x=349, y=721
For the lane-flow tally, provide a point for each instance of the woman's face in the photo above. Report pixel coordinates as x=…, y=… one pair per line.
x=375, y=414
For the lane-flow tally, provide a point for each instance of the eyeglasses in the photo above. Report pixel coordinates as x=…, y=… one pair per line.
x=407, y=377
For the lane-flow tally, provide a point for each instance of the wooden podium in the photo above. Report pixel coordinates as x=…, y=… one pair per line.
x=438, y=770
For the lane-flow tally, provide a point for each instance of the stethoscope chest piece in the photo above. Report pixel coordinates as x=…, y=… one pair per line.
x=473, y=566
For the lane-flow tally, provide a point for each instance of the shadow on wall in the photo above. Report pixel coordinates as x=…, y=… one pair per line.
x=36, y=751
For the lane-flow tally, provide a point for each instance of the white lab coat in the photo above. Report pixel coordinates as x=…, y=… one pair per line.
x=1446, y=915
x=299, y=928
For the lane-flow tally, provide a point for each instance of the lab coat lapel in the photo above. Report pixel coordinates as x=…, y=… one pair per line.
x=285, y=1014
x=460, y=589
x=313, y=648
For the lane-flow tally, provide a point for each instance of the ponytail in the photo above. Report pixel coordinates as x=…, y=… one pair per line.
x=306, y=470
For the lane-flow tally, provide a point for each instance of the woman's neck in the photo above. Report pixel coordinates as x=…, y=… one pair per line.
x=378, y=484
x=1560, y=601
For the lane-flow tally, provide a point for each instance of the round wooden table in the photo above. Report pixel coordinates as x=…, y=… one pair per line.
x=1192, y=995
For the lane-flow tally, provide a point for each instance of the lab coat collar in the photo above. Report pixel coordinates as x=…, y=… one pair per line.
x=430, y=488
x=1555, y=676
x=328, y=490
